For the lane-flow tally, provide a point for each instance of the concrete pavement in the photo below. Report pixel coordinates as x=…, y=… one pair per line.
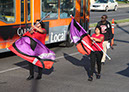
x=70, y=73
x=123, y=5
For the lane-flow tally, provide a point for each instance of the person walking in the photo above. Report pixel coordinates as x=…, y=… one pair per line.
x=38, y=32
x=106, y=30
x=96, y=54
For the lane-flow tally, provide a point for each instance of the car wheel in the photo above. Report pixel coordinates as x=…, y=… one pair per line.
x=106, y=8
x=68, y=42
x=115, y=8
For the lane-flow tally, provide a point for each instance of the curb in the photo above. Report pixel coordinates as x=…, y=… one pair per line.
x=122, y=24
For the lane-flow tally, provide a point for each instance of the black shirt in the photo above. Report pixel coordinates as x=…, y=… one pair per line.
x=106, y=30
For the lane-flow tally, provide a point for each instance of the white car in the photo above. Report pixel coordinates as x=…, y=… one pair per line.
x=104, y=5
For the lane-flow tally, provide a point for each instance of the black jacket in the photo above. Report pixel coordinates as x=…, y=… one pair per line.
x=106, y=30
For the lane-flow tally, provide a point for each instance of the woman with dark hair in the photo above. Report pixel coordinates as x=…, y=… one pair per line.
x=39, y=33
x=97, y=54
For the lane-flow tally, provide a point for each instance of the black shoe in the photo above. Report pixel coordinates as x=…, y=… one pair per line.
x=30, y=77
x=90, y=79
x=38, y=77
x=112, y=47
x=98, y=76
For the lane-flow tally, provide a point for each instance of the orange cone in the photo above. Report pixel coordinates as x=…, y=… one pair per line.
x=112, y=41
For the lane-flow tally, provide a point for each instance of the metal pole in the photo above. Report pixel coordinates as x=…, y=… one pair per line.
x=102, y=50
x=41, y=20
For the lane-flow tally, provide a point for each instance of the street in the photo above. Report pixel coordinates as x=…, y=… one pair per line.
x=69, y=73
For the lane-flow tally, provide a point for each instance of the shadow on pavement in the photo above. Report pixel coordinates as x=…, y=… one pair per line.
x=121, y=28
x=24, y=64
x=6, y=54
x=34, y=83
x=124, y=72
x=84, y=62
x=121, y=41
x=34, y=86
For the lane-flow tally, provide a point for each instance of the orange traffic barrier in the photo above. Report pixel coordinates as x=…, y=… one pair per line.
x=112, y=41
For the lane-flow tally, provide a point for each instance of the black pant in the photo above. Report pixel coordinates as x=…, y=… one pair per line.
x=95, y=56
x=31, y=68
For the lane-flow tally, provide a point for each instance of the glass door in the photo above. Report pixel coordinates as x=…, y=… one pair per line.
x=25, y=17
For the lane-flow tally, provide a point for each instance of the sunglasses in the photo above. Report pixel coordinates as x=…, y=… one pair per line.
x=103, y=17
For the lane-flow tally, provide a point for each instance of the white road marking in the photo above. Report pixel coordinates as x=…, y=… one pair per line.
x=11, y=69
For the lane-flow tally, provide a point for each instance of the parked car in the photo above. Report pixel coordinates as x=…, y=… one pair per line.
x=104, y=5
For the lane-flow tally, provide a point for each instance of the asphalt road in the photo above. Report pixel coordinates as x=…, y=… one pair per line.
x=121, y=13
x=69, y=73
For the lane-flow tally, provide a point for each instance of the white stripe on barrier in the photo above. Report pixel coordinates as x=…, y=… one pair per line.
x=35, y=60
x=87, y=45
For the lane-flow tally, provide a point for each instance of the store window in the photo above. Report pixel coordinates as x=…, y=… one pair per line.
x=7, y=10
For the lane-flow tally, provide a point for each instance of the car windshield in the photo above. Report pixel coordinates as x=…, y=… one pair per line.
x=101, y=1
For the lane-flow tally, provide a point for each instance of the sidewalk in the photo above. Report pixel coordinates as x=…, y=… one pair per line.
x=122, y=24
x=123, y=5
